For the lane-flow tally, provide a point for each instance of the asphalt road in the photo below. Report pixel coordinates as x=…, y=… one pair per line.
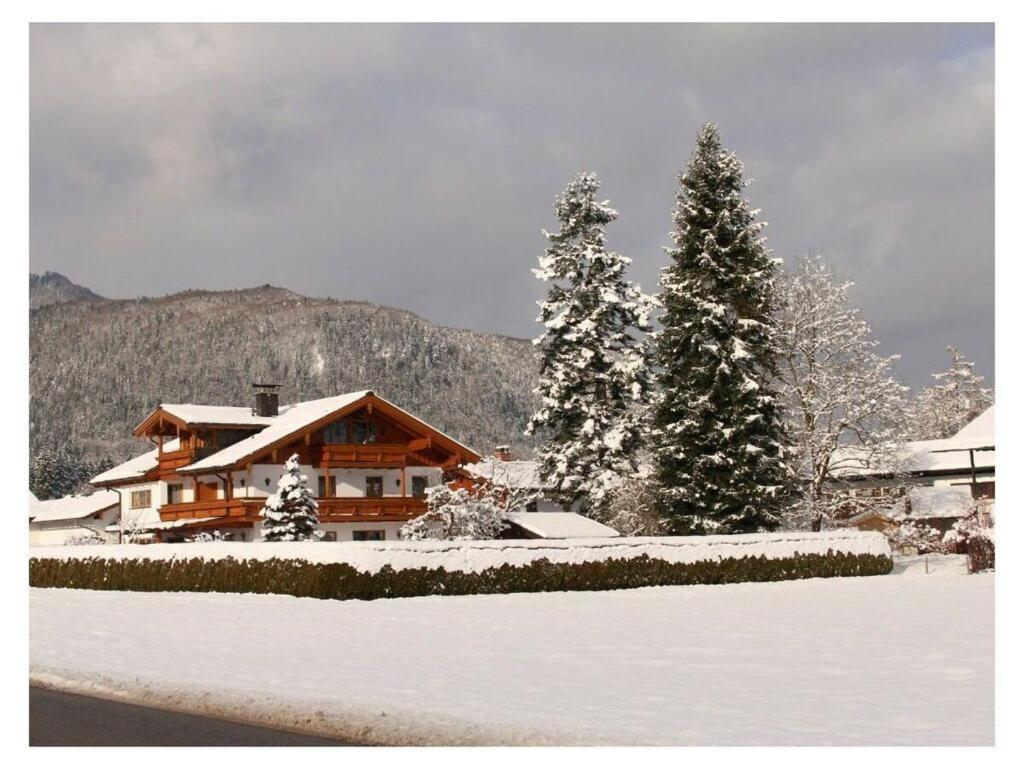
x=66, y=720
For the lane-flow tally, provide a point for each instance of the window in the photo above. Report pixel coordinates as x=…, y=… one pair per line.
x=374, y=487
x=335, y=433
x=329, y=536
x=326, y=490
x=140, y=499
x=173, y=493
x=419, y=487
x=367, y=535
x=363, y=431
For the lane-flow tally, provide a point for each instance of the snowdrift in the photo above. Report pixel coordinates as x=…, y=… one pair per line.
x=367, y=571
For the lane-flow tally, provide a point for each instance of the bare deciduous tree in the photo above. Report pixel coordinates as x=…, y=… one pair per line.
x=845, y=408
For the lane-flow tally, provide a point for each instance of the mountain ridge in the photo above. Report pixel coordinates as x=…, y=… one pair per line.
x=98, y=366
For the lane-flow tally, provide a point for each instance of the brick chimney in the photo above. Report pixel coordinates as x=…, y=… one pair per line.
x=266, y=399
x=503, y=453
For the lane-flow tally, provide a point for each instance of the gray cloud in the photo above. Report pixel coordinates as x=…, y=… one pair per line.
x=415, y=165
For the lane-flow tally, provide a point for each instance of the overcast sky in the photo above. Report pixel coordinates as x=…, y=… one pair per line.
x=415, y=166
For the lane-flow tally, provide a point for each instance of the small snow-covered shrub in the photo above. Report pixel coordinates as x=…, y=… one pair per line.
x=916, y=538
x=86, y=539
x=635, y=509
x=456, y=514
x=974, y=535
x=205, y=536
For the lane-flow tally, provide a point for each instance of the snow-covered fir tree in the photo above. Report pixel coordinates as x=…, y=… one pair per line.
x=291, y=513
x=58, y=471
x=845, y=408
x=594, y=369
x=958, y=396
x=719, y=438
x=459, y=514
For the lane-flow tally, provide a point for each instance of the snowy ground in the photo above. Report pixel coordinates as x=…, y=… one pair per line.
x=883, y=660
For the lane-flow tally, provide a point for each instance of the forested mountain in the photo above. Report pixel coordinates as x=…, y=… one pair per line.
x=53, y=288
x=97, y=367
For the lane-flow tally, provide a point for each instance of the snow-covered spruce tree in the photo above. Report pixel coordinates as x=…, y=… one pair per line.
x=718, y=433
x=845, y=408
x=459, y=514
x=958, y=396
x=291, y=513
x=594, y=370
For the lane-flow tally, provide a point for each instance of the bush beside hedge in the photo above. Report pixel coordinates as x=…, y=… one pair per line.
x=340, y=581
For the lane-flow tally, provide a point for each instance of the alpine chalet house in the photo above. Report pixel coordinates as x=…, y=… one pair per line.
x=368, y=462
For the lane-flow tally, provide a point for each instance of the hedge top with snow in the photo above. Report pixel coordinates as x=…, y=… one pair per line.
x=477, y=556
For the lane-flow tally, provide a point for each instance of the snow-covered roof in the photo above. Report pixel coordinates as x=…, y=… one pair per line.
x=926, y=501
x=227, y=415
x=291, y=418
x=939, y=501
x=510, y=474
x=561, y=525
x=133, y=469
x=71, y=507
x=921, y=457
x=982, y=428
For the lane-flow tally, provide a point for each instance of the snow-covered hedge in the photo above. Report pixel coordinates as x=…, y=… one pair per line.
x=368, y=570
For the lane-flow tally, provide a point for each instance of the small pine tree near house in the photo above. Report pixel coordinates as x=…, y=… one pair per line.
x=291, y=513
x=718, y=431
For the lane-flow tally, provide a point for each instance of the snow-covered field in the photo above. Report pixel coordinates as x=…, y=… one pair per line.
x=882, y=660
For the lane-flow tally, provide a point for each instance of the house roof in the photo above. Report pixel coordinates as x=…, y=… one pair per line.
x=71, y=507
x=561, y=525
x=291, y=420
x=945, y=456
x=510, y=474
x=926, y=502
x=133, y=469
x=227, y=415
x=982, y=428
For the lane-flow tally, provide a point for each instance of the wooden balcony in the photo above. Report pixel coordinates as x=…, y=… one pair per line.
x=366, y=455
x=171, y=461
x=332, y=510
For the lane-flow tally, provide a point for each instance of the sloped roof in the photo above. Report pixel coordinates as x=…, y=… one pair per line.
x=292, y=420
x=510, y=474
x=561, y=525
x=134, y=469
x=227, y=415
x=71, y=507
x=983, y=427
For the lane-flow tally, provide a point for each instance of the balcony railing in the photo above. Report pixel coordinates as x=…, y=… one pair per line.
x=331, y=510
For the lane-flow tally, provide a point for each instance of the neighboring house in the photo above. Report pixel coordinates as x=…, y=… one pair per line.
x=368, y=462
x=943, y=478
x=53, y=522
